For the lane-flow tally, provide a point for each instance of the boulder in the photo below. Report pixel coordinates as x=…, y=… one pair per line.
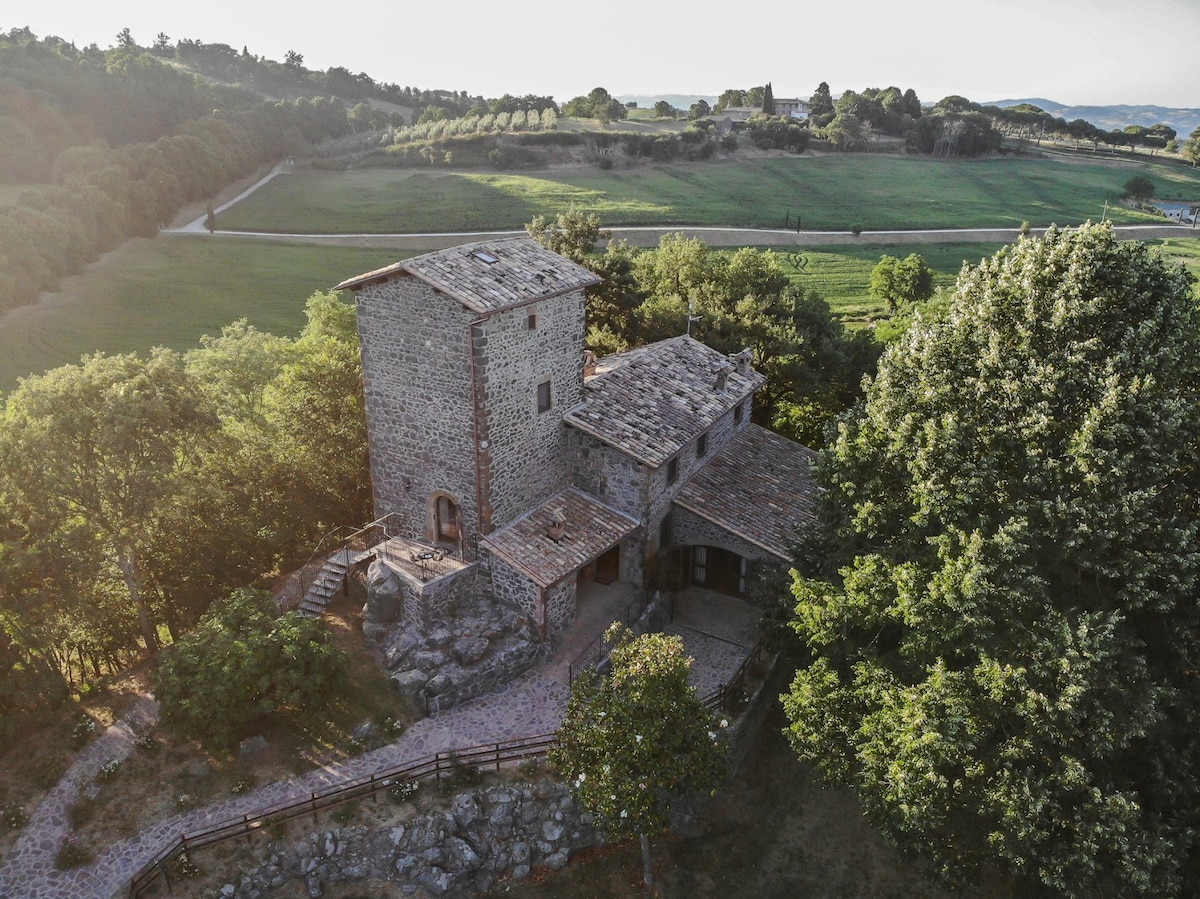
x=252, y=746
x=469, y=650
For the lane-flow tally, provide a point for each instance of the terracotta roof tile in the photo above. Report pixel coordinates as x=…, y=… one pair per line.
x=488, y=275
x=654, y=400
x=759, y=487
x=592, y=529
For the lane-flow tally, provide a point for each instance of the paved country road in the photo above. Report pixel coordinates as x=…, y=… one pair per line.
x=649, y=236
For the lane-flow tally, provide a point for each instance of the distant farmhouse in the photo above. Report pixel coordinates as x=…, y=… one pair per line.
x=735, y=118
x=1184, y=213
x=526, y=468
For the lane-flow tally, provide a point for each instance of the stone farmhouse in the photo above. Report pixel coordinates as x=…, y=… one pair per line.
x=527, y=469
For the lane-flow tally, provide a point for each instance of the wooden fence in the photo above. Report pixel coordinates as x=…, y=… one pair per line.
x=438, y=766
x=725, y=699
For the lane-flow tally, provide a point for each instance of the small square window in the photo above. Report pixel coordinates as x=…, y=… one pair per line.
x=673, y=471
x=737, y=414
x=701, y=446
x=543, y=396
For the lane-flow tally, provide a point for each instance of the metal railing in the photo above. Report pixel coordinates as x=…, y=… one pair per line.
x=426, y=561
x=439, y=765
x=593, y=654
x=340, y=539
x=727, y=696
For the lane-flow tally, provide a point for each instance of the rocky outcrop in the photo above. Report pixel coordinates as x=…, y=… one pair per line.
x=452, y=658
x=482, y=836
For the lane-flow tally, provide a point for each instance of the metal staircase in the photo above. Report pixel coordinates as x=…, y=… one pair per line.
x=330, y=579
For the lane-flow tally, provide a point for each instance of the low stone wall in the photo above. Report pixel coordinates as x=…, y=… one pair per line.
x=484, y=835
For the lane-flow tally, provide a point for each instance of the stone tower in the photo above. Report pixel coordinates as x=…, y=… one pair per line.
x=470, y=357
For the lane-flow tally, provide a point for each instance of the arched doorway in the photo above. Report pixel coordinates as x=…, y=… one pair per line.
x=443, y=519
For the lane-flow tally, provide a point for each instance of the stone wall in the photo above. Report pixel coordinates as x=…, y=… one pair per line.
x=497, y=669
x=416, y=382
x=524, y=461
x=613, y=477
x=514, y=588
x=484, y=835
x=689, y=529
x=560, y=605
x=431, y=602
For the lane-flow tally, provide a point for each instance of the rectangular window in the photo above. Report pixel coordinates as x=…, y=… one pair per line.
x=543, y=396
x=531, y=322
x=664, y=533
x=737, y=414
x=673, y=471
x=701, y=446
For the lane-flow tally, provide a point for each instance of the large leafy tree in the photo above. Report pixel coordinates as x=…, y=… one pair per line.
x=243, y=661
x=94, y=454
x=1191, y=147
x=1005, y=666
x=637, y=739
x=901, y=281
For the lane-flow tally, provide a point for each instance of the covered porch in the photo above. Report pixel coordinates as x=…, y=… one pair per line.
x=539, y=561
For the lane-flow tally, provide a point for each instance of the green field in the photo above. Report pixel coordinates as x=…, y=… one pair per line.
x=169, y=292
x=820, y=193
x=843, y=274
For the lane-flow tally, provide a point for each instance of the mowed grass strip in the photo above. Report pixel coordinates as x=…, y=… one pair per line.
x=812, y=192
x=169, y=292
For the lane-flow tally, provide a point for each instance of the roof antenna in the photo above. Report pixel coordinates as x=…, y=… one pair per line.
x=691, y=318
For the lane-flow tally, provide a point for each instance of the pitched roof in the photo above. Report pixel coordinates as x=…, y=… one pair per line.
x=652, y=401
x=592, y=529
x=759, y=487
x=488, y=275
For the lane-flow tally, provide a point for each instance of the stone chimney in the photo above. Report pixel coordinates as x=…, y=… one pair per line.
x=720, y=372
x=741, y=361
x=557, y=529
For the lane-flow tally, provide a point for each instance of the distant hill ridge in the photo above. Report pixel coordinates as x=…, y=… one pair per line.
x=1184, y=121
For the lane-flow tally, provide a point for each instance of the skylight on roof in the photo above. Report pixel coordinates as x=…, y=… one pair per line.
x=485, y=257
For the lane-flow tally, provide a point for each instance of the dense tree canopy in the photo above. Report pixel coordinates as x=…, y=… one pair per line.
x=901, y=281
x=134, y=490
x=1004, y=668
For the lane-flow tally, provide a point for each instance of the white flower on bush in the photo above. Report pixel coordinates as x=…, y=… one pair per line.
x=638, y=737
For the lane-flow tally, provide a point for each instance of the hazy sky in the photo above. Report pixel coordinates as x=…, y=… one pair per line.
x=1077, y=52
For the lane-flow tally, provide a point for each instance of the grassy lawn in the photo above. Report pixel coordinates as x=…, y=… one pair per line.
x=843, y=274
x=823, y=193
x=169, y=292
